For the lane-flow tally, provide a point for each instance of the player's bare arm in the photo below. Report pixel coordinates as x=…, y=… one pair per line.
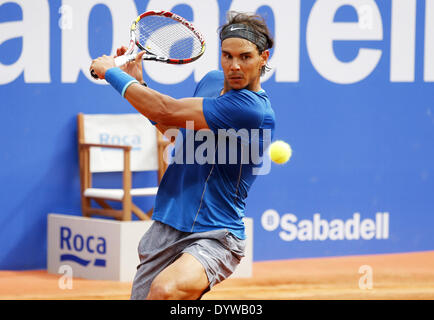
x=165, y=110
x=161, y=108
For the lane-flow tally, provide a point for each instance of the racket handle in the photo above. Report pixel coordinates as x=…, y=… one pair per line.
x=121, y=60
x=93, y=74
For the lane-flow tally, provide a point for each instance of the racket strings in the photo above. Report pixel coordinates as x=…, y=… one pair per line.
x=163, y=36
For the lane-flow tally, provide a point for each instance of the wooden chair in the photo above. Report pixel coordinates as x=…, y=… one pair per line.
x=122, y=143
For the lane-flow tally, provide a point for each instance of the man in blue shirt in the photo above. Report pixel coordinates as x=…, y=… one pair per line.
x=197, y=238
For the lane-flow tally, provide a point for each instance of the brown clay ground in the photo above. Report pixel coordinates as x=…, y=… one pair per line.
x=405, y=276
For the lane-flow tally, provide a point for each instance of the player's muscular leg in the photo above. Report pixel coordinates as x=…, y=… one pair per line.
x=184, y=279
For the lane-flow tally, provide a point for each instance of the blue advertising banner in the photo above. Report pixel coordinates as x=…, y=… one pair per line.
x=351, y=86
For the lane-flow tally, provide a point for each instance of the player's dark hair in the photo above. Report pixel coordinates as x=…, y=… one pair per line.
x=256, y=23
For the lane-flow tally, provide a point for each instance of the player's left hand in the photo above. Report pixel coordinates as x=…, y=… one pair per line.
x=101, y=65
x=133, y=68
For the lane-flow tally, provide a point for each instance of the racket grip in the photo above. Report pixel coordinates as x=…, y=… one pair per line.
x=121, y=60
x=93, y=74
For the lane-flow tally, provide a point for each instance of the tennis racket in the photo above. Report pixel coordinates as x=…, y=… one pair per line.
x=165, y=36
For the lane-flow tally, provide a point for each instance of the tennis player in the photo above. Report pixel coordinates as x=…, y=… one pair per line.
x=197, y=238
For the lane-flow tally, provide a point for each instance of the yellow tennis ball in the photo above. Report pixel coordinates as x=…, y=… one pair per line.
x=280, y=152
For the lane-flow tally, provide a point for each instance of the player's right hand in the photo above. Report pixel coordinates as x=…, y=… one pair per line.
x=100, y=65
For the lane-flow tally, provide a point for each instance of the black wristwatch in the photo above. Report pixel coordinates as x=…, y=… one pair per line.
x=144, y=84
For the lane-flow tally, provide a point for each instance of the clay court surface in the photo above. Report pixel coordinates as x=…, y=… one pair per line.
x=404, y=276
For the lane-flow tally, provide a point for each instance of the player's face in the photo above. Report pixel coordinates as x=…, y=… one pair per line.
x=242, y=63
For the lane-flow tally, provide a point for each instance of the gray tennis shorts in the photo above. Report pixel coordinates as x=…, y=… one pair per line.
x=219, y=251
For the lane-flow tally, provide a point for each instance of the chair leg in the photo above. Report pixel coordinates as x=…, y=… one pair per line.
x=85, y=206
x=150, y=212
x=103, y=204
x=139, y=213
x=127, y=207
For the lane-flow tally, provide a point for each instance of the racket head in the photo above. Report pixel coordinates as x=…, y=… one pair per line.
x=168, y=35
